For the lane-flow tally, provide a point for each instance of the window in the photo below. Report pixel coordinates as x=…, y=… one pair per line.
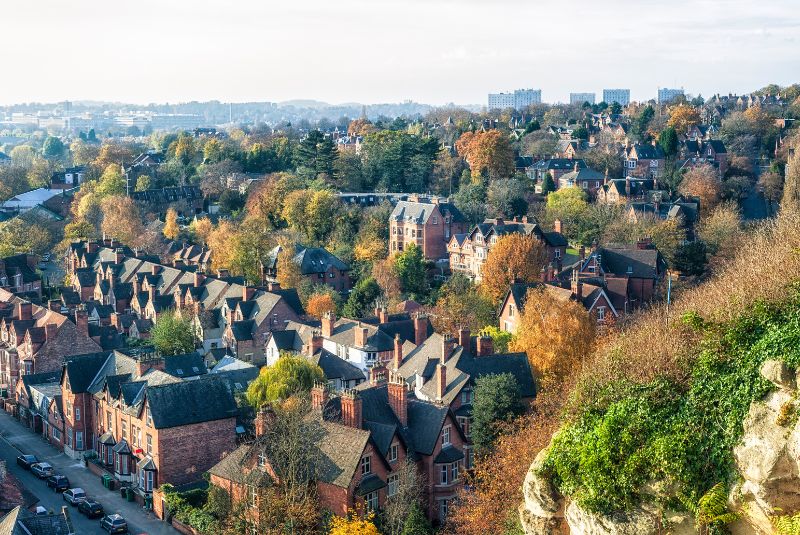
x=56, y=434
x=444, y=474
x=110, y=421
x=446, y=435
x=124, y=431
x=149, y=418
x=262, y=459
x=464, y=423
x=510, y=312
x=149, y=443
x=443, y=510
x=253, y=496
x=371, y=501
x=393, y=453
x=454, y=472
x=69, y=437
x=366, y=465
x=557, y=253
x=79, y=440
x=138, y=436
x=69, y=407
x=77, y=414
x=601, y=313
x=393, y=485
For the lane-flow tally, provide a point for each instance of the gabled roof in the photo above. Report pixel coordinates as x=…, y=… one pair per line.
x=318, y=260
x=81, y=370
x=559, y=164
x=334, y=367
x=186, y=365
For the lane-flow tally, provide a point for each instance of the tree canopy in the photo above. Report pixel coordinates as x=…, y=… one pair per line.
x=289, y=376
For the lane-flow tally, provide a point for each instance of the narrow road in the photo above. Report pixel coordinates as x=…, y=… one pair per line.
x=16, y=439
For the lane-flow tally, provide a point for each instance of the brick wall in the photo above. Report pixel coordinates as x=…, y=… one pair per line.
x=187, y=451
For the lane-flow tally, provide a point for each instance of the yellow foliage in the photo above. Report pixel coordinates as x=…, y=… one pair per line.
x=513, y=258
x=171, y=227
x=369, y=248
x=682, y=117
x=354, y=525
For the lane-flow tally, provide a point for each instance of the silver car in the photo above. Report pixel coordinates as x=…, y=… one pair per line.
x=42, y=470
x=74, y=496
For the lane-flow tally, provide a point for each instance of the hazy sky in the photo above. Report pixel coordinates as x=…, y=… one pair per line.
x=433, y=51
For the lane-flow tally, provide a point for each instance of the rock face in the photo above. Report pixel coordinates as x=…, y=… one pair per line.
x=768, y=460
x=768, y=457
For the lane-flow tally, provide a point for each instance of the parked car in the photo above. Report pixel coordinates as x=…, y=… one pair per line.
x=114, y=524
x=74, y=496
x=58, y=483
x=42, y=470
x=91, y=508
x=25, y=461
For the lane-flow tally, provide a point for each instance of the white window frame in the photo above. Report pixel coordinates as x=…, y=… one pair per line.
x=366, y=465
x=392, y=485
x=393, y=449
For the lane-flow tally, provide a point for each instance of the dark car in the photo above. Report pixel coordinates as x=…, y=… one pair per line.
x=114, y=524
x=58, y=483
x=26, y=461
x=91, y=508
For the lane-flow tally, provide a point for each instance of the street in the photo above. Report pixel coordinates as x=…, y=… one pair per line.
x=16, y=439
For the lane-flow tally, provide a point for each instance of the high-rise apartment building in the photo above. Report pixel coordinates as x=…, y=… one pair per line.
x=517, y=100
x=580, y=98
x=666, y=95
x=620, y=96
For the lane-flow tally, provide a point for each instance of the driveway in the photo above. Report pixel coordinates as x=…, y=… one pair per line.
x=16, y=438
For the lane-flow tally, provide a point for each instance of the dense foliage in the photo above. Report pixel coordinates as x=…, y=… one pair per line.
x=685, y=436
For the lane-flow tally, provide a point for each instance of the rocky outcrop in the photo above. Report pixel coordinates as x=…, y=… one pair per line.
x=767, y=458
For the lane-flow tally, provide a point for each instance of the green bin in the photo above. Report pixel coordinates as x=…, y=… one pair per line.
x=106, y=479
x=130, y=495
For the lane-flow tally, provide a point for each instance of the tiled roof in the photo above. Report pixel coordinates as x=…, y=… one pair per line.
x=188, y=402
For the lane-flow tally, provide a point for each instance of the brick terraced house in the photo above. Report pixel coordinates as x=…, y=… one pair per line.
x=427, y=222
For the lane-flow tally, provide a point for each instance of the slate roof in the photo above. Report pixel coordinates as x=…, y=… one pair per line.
x=230, y=467
x=635, y=263
x=187, y=402
x=559, y=164
x=286, y=340
x=186, y=365
x=344, y=332
x=335, y=367
x=646, y=151
x=341, y=448
x=81, y=370
x=317, y=260
x=11, y=266
x=22, y=522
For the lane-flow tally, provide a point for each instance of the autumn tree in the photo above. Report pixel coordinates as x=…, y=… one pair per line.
x=288, y=271
x=682, y=117
x=514, y=258
x=122, y=219
x=289, y=376
x=320, y=303
x=487, y=153
x=202, y=229
x=703, y=182
x=20, y=236
x=460, y=304
x=405, y=503
x=553, y=352
x=354, y=524
x=384, y=273
x=771, y=184
x=171, y=228
x=791, y=187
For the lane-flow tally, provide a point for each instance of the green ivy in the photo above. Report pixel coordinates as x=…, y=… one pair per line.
x=680, y=434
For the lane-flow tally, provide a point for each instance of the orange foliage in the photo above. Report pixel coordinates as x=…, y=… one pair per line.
x=557, y=335
x=493, y=493
x=704, y=183
x=514, y=257
x=682, y=117
x=488, y=152
x=319, y=304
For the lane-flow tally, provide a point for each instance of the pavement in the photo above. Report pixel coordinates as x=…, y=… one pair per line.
x=15, y=439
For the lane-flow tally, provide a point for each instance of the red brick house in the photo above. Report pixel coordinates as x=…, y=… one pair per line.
x=644, y=160
x=427, y=222
x=317, y=265
x=146, y=424
x=593, y=298
x=18, y=276
x=366, y=437
x=34, y=339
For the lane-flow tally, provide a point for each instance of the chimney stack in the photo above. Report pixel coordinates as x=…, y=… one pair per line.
x=152, y=292
x=382, y=314
x=420, y=329
x=156, y=269
x=397, y=356
x=441, y=381
x=223, y=273
x=447, y=349
x=351, y=408
x=273, y=286
x=377, y=375
x=25, y=310
x=50, y=330
x=485, y=346
x=199, y=277
x=582, y=253
x=264, y=418
x=82, y=321
x=319, y=396
x=557, y=227
x=314, y=344
x=361, y=335
x=54, y=305
x=247, y=293
x=398, y=397
x=119, y=255
x=115, y=321
x=328, y=322
x=464, y=338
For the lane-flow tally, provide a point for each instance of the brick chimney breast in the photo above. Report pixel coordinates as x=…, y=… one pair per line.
x=319, y=396
x=352, y=405
x=397, y=356
x=248, y=292
x=485, y=346
x=24, y=310
x=420, y=329
x=464, y=338
x=264, y=418
x=441, y=381
x=447, y=349
x=361, y=336
x=398, y=397
x=199, y=277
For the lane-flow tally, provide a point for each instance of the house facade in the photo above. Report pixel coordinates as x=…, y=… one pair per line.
x=428, y=223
